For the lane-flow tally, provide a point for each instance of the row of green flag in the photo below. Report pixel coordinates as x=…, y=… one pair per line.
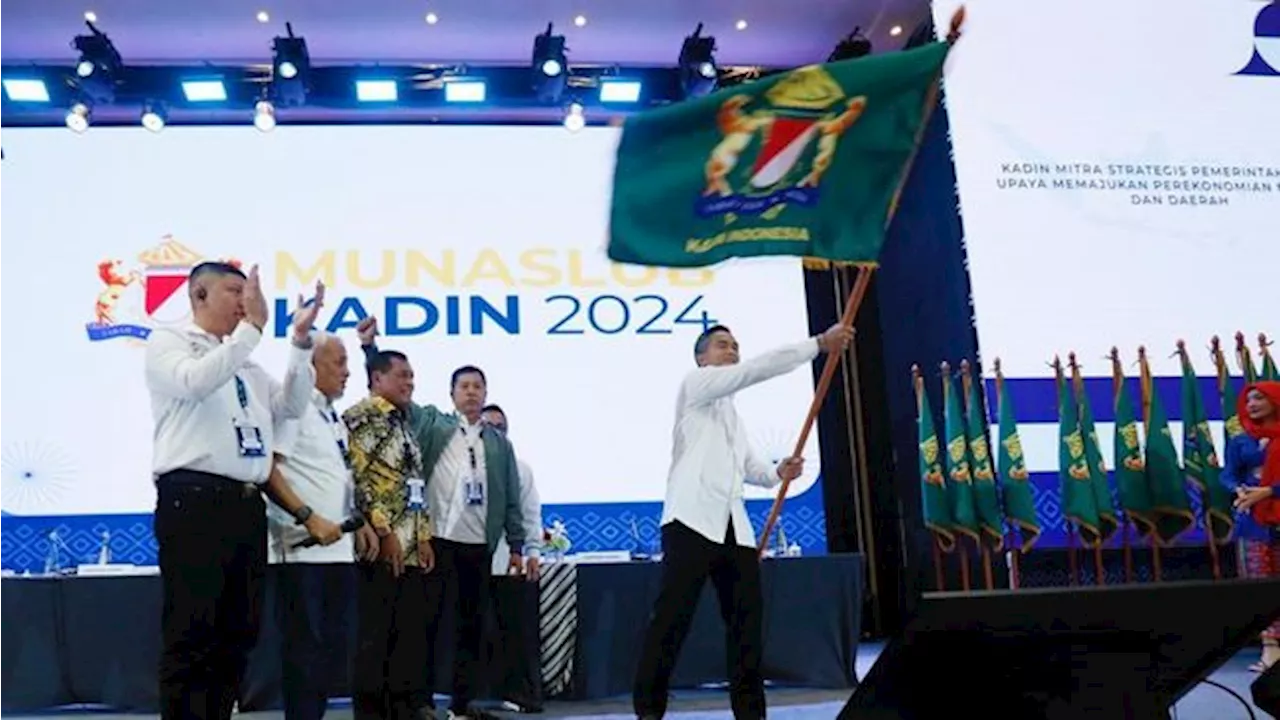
x=964, y=494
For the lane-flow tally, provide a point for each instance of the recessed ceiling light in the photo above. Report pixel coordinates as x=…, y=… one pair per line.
x=896, y=30
x=580, y=21
x=741, y=25
x=432, y=19
x=263, y=16
x=91, y=16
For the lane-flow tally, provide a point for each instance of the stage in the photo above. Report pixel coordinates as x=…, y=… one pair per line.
x=95, y=640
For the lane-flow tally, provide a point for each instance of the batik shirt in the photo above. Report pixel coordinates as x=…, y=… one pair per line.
x=384, y=457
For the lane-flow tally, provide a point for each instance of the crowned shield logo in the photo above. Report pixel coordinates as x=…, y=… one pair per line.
x=777, y=153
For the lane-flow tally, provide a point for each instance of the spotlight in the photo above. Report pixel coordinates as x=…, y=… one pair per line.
x=22, y=90
x=292, y=63
x=99, y=66
x=154, y=116
x=460, y=90
x=854, y=46
x=78, y=117
x=376, y=90
x=264, y=116
x=574, y=118
x=698, y=72
x=614, y=90
x=204, y=90
x=550, y=66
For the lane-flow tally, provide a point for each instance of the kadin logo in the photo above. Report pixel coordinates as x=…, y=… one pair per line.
x=134, y=300
x=1266, y=43
x=777, y=154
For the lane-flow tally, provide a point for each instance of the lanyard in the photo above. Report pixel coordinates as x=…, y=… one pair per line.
x=471, y=447
x=332, y=419
x=242, y=393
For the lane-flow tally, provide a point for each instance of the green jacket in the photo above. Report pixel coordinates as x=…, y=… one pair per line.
x=434, y=429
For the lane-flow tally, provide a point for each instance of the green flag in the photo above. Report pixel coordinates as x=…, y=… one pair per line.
x=1229, y=396
x=933, y=485
x=986, y=500
x=1099, y=481
x=1078, y=503
x=1200, y=459
x=964, y=512
x=1269, y=371
x=806, y=163
x=1019, y=503
x=1164, y=475
x=1131, y=476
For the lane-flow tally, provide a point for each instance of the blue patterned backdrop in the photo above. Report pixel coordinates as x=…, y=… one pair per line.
x=24, y=541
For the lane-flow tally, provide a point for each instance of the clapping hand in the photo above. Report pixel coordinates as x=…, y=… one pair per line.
x=304, y=318
x=255, y=305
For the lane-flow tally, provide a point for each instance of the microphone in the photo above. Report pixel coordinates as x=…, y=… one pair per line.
x=349, y=525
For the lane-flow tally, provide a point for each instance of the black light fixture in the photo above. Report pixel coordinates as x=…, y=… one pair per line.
x=550, y=66
x=698, y=71
x=98, y=69
x=854, y=46
x=291, y=63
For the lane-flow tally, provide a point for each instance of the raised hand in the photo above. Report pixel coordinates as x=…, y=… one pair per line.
x=836, y=338
x=305, y=316
x=367, y=330
x=255, y=305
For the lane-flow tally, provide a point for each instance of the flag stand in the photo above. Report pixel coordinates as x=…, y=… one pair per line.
x=939, y=577
x=965, y=584
x=1128, y=550
x=1099, y=570
x=1073, y=560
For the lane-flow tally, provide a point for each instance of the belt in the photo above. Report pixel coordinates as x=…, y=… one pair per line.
x=198, y=481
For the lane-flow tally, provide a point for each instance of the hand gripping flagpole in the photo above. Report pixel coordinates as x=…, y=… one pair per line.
x=857, y=294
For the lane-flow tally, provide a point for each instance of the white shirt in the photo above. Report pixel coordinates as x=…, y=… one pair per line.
x=461, y=460
x=315, y=466
x=531, y=512
x=191, y=375
x=710, y=454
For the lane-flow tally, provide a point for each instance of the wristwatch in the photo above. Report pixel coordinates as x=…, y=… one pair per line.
x=303, y=514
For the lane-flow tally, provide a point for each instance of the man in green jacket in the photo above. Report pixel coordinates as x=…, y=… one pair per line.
x=473, y=497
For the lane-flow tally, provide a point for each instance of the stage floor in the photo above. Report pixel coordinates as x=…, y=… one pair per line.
x=1204, y=703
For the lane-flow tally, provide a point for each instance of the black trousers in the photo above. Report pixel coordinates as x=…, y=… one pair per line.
x=312, y=615
x=467, y=568
x=391, y=642
x=688, y=559
x=521, y=678
x=212, y=533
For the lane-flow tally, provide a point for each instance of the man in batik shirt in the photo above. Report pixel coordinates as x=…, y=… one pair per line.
x=393, y=599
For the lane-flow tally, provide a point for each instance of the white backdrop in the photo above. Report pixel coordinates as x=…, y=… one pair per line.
x=1119, y=182
x=379, y=212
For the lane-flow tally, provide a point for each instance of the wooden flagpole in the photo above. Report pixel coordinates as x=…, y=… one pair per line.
x=1144, y=374
x=1117, y=379
x=859, y=291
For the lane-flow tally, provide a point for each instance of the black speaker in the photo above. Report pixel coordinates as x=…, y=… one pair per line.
x=1128, y=651
x=1266, y=691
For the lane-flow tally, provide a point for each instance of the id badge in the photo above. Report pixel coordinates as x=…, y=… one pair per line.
x=249, y=439
x=475, y=491
x=417, y=499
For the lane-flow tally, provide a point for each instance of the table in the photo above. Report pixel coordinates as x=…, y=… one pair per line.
x=96, y=640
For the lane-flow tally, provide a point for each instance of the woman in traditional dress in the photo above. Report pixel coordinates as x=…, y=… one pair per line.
x=1252, y=472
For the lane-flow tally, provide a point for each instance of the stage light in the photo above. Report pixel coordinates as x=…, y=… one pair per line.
x=432, y=18
x=376, y=90
x=550, y=66
x=895, y=31
x=99, y=65
x=854, y=46
x=698, y=72
x=740, y=25
x=619, y=91
x=292, y=63
x=208, y=90
x=580, y=21
x=264, y=116
x=574, y=118
x=154, y=116
x=264, y=16
x=464, y=91
x=26, y=90
x=91, y=16
x=78, y=117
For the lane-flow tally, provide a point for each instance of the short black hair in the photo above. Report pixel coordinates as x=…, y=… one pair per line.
x=211, y=270
x=382, y=361
x=466, y=370
x=704, y=339
x=494, y=407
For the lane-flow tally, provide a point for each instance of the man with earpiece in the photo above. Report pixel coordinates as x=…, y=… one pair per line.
x=214, y=410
